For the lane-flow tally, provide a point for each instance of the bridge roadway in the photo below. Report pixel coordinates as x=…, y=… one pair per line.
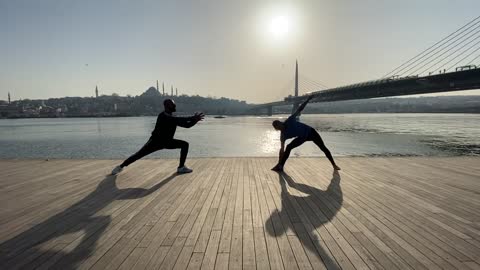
x=446, y=82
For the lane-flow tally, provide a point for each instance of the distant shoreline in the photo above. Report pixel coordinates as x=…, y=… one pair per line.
x=231, y=115
x=145, y=105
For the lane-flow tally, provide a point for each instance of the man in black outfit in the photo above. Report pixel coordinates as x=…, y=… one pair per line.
x=162, y=137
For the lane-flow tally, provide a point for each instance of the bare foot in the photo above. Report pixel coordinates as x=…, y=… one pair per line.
x=278, y=168
x=336, y=168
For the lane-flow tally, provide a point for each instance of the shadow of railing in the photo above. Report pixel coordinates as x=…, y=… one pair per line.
x=37, y=244
x=315, y=209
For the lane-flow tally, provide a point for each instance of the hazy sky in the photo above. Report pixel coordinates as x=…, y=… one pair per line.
x=219, y=48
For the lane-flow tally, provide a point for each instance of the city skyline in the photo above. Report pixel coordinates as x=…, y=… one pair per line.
x=95, y=93
x=244, y=51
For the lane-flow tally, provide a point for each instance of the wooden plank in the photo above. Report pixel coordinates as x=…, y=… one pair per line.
x=184, y=258
x=207, y=214
x=227, y=228
x=210, y=257
x=173, y=253
x=195, y=261
x=280, y=224
x=248, y=254
x=274, y=256
x=130, y=262
x=236, y=247
x=400, y=213
x=222, y=261
x=422, y=249
x=421, y=224
x=157, y=260
x=154, y=250
x=261, y=253
x=332, y=208
x=62, y=223
x=418, y=235
x=198, y=211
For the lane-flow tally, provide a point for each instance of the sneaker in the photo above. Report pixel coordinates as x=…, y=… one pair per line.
x=117, y=170
x=184, y=170
x=336, y=168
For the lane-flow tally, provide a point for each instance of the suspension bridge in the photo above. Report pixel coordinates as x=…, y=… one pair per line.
x=451, y=64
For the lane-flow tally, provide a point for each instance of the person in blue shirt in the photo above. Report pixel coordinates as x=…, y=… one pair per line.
x=291, y=128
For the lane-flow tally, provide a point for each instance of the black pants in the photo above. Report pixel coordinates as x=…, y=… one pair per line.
x=153, y=145
x=313, y=136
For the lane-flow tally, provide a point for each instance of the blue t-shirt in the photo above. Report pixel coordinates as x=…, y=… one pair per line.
x=293, y=128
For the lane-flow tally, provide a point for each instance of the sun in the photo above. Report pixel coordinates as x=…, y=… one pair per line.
x=279, y=26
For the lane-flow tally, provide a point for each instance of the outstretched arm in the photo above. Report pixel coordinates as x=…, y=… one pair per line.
x=188, y=122
x=279, y=167
x=282, y=151
x=302, y=106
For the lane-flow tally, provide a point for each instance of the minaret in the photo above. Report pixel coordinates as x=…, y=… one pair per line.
x=176, y=92
x=296, y=78
x=163, y=88
x=172, y=91
x=8, y=97
x=157, y=87
x=96, y=91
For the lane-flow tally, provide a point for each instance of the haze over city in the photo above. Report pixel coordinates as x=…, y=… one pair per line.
x=237, y=49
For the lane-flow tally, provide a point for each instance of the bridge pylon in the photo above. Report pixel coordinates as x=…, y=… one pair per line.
x=296, y=104
x=270, y=110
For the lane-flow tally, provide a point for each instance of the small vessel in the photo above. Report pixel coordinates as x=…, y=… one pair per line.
x=219, y=116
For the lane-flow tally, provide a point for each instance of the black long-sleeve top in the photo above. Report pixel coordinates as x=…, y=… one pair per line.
x=167, y=125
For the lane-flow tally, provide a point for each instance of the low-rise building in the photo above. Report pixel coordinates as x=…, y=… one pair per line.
x=10, y=110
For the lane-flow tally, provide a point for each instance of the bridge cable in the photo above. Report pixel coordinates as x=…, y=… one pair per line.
x=319, y=85
x=442, y=43
x=314, y=82
x=310, y=86
x=476, y=57
x=289, y=86
x=430, y=60
x=401, y=67
x=466, y=56
x=306, y=88
x=448, y=47
x=465, y=51
x=443, y=59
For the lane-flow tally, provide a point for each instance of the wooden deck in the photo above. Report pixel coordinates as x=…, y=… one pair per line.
x=377, y=213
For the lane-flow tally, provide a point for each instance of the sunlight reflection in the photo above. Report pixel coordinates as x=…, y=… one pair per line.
x=270, y=142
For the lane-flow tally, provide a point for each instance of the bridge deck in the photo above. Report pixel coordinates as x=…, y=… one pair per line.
x=390, y=213
x=445, y=82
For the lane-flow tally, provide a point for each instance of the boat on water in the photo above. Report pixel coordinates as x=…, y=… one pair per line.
x=219, y=116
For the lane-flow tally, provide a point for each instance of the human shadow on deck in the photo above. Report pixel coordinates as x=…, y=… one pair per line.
x=320, y=206
x=37, y=245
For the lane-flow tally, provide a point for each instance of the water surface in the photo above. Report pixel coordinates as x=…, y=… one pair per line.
x=344, y=135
